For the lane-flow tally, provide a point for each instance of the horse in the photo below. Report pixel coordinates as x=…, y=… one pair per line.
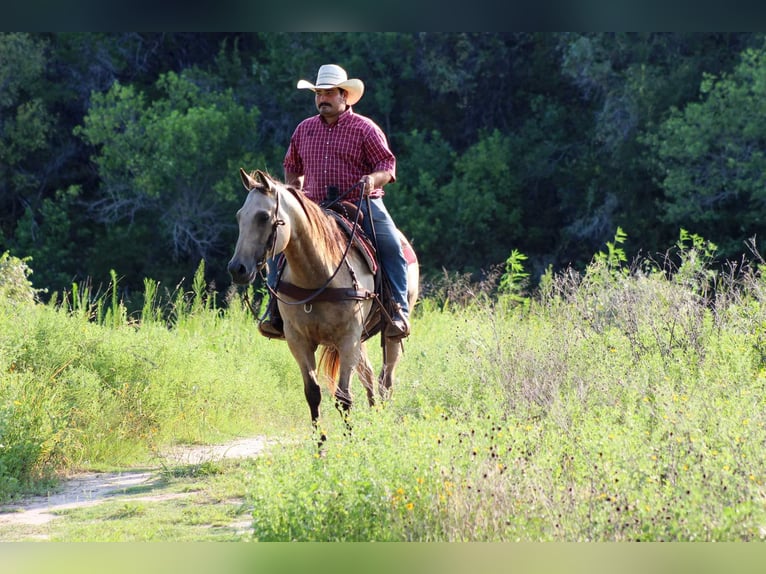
x=335, y=308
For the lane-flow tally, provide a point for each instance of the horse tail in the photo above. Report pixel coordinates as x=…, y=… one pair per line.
x=329, y=363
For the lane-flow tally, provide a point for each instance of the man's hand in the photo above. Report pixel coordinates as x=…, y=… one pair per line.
x=368, y=184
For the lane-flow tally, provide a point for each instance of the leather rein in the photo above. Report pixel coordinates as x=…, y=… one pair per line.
x=325, y=292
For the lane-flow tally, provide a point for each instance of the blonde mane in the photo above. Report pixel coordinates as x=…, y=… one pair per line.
x=324, y=230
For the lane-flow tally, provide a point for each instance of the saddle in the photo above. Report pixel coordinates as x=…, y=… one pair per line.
x=345, y=213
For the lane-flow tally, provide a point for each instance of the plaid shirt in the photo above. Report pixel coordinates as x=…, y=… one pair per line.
x=338, y=155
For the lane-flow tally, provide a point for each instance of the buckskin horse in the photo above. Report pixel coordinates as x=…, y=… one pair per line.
x=332, y=305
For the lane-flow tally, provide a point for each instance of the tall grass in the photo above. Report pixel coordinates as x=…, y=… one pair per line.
x=82, y=385
x=624, y=402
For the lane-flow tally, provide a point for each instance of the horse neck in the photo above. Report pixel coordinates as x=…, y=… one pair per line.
x=306, y=256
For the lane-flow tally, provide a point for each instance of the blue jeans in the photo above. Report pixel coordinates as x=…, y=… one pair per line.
x=390, y=253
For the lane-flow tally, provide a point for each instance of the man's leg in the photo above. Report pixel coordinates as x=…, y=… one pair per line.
x=391, y=257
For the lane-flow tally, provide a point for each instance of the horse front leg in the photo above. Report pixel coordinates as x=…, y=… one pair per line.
x=304, y=356
x=313, y=397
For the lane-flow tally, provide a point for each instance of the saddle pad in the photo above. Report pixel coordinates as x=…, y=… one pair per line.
x=361, y=241
x=409, y=252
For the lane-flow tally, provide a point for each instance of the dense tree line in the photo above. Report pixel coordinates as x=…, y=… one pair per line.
x=120, y=150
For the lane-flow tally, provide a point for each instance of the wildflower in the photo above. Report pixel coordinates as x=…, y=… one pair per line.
x=410, y=506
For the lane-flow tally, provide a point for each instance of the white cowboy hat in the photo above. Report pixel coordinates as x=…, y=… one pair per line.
x=331, y=76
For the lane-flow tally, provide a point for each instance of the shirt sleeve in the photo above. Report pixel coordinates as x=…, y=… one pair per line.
x=292, y=161
x=380, y=155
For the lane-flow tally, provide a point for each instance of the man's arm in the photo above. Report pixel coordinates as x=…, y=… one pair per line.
x=293, y=179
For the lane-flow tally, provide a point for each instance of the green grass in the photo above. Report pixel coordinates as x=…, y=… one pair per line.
x=79, y=392
x=620, y=404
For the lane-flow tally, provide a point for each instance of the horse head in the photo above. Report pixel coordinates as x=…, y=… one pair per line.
x=258, y=220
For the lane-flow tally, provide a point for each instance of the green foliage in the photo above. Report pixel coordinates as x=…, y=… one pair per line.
x=26, y=124
x=170, y=161
x=617, y=405
x=81, y=385
x=710, y=158
x=15, y=286
x=418, y=189
x=480, y=212
x=615, y=256
x=52, y=239
x=545, y=142
x=697, y=256
x=515, y=279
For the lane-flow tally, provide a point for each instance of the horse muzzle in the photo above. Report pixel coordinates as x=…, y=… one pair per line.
x=241, y=274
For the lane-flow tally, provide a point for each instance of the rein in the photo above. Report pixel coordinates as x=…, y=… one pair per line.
x=309, y=295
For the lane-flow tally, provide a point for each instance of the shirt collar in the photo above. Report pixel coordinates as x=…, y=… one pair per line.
x=347, y=113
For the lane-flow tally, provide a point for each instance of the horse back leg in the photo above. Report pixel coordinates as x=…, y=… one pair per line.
x=351, y=356
x=364, y=371
x=392, y=351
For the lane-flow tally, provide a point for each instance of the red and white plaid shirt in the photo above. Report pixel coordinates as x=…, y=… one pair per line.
x=338, y=155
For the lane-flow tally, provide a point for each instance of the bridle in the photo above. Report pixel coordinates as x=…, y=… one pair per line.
x=271, y=240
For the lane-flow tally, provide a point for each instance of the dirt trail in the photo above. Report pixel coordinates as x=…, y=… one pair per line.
x=88, y=489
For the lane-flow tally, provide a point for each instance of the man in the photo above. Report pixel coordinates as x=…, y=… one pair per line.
x=336, y=150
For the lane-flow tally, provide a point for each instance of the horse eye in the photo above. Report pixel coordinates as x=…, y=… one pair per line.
x=262, y=217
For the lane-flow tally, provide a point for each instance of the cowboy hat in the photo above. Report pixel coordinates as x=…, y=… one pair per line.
x=331, y=76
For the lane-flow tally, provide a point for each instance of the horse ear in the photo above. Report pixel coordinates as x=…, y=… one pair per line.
x=247, y=181
x=263, y=179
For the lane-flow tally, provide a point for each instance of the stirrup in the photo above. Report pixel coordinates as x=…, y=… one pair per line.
x=399, y=327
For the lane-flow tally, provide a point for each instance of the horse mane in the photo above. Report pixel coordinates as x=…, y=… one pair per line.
x=325, y=232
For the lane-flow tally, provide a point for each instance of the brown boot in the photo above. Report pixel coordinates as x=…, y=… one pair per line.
x=271, y=329
x=271, y=325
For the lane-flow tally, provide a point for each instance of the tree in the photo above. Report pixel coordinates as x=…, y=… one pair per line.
x=483, y=207
x=168, y=167
x=711, y=157
x=25, y=125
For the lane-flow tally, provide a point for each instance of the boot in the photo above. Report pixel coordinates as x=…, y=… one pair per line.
x=271, y=324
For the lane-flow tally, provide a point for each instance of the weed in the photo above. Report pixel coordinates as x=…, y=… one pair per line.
x=620, y=403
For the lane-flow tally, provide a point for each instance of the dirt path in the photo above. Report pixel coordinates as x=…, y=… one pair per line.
x=88, y=489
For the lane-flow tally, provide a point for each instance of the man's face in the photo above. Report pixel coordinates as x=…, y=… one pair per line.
x=330, y=103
